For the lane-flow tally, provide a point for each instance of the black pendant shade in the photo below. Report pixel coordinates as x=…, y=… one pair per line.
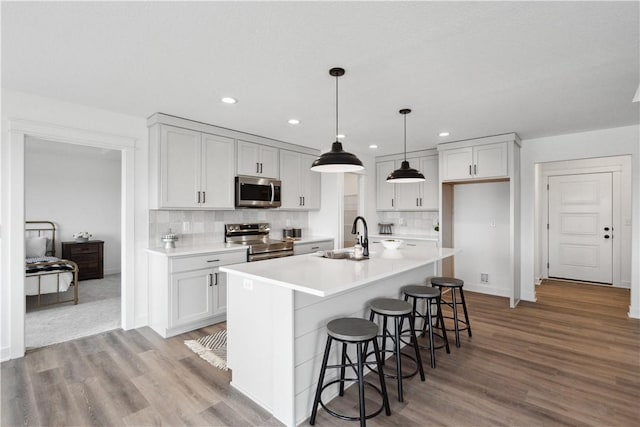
x=337, y=160
x=406, y=174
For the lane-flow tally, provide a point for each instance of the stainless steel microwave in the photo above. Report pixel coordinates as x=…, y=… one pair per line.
x=253, y=192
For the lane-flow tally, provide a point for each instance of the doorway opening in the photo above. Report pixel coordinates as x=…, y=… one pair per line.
x=351, y=207
x=78, y=188
x=584, y=220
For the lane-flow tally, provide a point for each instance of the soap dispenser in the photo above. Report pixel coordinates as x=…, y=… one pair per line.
x=358, y=250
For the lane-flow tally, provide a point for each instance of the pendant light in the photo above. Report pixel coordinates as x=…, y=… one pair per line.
x=337, y=160
x=406, y=174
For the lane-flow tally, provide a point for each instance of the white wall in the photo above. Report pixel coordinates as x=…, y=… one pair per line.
x=23, y=106
x=600, y=143
x=78, y=188
x=481, y=232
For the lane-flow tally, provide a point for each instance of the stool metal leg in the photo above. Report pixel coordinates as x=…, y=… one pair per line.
x=441, y=322
x=416, y=347
x=432, y=350
x=398, y=361
x=464, y=308
x=383, y=386
x=363, y=414
x=454, y=299
x=384, y=338
x=343, y=362
x=316, y=401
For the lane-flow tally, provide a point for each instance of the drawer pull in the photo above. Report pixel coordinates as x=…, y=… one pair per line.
x=213, y=260
x=411, y=244
x=315, y=247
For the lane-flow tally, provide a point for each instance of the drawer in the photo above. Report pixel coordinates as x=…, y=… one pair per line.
x=84, y=249
x=211, y=260
x=307, y=248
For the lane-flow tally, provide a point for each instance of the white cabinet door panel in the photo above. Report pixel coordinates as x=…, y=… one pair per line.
x=312, y=183
x=407, y=196
x=269, y=162
x=385, y=199
x=431, y=185
x=490, y=160
x=219, y=292
x=180, y=167
x=291, y=192
x=457, y=163
x=217, y=172
x=248, y=158
x=190, y=297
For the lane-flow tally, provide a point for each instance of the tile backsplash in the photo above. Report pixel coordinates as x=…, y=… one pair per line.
x=201, y=227
x=418, y=223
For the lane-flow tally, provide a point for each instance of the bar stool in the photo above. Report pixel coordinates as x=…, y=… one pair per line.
x=349, y=330
x=430, y=295
x=398, y=310
x=454, y=285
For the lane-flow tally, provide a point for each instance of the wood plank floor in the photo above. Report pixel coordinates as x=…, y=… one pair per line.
x=572, y=358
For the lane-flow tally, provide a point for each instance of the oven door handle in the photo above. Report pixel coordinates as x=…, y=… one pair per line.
x=269, y=255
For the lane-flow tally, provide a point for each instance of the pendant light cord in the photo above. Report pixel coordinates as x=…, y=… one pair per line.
x=336, y=108
x=405, y=137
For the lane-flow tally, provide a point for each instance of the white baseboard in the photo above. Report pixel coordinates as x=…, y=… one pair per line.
x=108, y=271
x=5, y=354
x=141, y=321
x=487, y=289
x=634, y=312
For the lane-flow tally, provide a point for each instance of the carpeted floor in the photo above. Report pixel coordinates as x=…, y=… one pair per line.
x=97, y=311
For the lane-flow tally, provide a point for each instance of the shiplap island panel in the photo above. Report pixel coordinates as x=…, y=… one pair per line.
x=277, y=311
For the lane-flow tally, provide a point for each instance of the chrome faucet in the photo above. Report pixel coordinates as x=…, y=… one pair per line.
x=364, y=241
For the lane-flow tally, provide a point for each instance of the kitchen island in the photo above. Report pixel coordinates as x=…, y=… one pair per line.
x=278, y=309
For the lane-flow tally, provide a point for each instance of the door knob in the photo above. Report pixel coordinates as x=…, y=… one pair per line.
x=606, y=236
x=606, y=229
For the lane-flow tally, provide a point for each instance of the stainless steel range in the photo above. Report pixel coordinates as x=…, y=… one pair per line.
x=256, y=238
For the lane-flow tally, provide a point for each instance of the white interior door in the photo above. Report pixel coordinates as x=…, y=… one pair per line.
x=580, y=227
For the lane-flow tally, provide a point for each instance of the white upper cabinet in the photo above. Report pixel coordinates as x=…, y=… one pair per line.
x=474, y=162
x=217, y=172
x=385, y=197
x=300, y=185
x=257, y=160
x=190, y=169
x=420, y=196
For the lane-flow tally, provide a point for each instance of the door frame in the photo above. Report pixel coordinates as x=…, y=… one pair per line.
x=14, y=216
x=616, y=215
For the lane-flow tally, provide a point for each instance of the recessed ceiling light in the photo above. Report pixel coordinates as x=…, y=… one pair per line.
x=373, y=146
x=229, y=100
x=294, y=122
x=443, y=134
x=340, y=135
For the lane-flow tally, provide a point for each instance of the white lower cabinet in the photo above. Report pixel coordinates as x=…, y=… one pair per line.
x=188, y=292
x=307, y=248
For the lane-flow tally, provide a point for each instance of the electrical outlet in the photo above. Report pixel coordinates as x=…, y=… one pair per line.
x=186, y=227
x=484, y=278
x=247, y=284
x=400, y=221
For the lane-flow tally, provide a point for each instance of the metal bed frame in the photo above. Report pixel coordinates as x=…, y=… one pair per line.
x=48, y=229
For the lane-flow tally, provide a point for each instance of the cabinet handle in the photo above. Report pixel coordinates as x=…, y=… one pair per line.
x=391, y=202
x=417, y=201
x=198, y=197
x=204, y=197
x=470, y=170
x=213, y=260
x=411, y=244
x=313, y=248
x=299, y=200
x=475, y=169
x=420, y=201
x=303, y=201
x=260, y=167
x=257, y=167
x=216, y=277
x=209, y=280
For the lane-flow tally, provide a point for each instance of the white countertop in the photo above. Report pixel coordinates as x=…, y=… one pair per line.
x=196, y=250
x=319, y=276
x=427, y=238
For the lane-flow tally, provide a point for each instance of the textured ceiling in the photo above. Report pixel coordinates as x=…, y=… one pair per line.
x=473, y=69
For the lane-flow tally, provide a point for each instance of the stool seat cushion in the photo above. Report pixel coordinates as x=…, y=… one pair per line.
x=421, y=291
x=352, y=329
x=390, y=306
x=450, y=282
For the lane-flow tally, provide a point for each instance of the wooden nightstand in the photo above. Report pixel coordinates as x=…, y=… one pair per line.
x=88, y=256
